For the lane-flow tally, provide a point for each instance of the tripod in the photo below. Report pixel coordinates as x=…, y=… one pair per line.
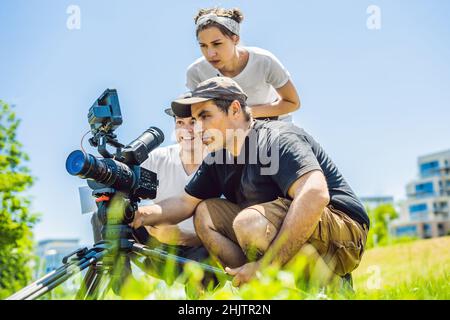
x=102, y=259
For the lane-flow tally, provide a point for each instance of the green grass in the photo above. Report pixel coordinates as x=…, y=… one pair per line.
x=414, y=270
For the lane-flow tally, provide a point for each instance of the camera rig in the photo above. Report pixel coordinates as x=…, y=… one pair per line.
x=119, y=184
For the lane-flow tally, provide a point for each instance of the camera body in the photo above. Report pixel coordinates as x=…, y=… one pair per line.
x=121, y=171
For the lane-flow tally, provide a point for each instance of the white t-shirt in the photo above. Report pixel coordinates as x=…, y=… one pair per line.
x=261, y=76
x=166, y=163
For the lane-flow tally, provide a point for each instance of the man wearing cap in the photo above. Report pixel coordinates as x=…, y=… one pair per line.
x=282, y=192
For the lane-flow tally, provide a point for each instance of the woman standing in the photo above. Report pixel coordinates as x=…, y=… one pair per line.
x=271, y=93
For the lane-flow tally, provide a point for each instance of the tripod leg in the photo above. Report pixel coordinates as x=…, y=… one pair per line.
x=55, y=278
x=71, y=271
x=51, y=280
x=86, y=283
x=158, y=254
x=93, y=283
x=100, y=278
x=38, y=284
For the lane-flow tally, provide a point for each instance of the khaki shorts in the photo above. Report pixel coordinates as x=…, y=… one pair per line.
x=338, y=239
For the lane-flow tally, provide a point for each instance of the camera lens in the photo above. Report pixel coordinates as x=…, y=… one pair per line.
x=105, y=171
x=75, y=162
x=137, y=151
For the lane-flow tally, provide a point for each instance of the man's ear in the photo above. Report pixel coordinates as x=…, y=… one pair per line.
x=235, y=108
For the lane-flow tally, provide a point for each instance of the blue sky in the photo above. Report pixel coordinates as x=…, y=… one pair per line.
x=374, y=99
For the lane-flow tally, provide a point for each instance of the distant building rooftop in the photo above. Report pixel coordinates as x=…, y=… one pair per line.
x=377, y=199
x=425, y=157
x=47, y=241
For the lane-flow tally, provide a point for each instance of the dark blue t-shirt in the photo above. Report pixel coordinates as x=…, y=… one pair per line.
x=274, y=156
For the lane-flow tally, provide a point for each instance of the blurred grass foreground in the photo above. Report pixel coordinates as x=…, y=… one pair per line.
x=413, y=270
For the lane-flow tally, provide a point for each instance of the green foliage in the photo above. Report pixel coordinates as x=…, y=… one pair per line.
x=379, y=229
x=16, y=220
x=414, y=270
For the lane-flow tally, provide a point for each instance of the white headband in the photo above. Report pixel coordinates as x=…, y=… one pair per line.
x=227, y=22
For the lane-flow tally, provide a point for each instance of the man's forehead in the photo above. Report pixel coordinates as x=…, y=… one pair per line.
x=198, y=108
x=183, y=119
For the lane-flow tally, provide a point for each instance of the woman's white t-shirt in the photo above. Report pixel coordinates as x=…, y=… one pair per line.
x=261, y=76
x=166, y=163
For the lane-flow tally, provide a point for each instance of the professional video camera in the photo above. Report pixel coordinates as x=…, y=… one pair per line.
x=115, y=173
x=118, y=184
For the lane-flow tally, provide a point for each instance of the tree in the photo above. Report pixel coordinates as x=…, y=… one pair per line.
x=380, y=217
x=16, y=220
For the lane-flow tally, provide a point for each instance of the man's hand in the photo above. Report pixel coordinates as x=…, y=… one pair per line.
x=244, y=273
x=139, y=218
x=173, y=235
x=170, y=211
x=169, y=234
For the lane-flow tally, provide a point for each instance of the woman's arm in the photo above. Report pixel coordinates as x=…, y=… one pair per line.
x=288, y=102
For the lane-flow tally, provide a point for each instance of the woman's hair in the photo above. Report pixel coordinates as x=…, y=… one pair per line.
x=235, y=14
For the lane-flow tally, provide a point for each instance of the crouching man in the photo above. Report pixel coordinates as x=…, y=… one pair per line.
x=266, y=187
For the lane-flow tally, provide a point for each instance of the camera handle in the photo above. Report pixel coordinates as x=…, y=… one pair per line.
x=101, y=139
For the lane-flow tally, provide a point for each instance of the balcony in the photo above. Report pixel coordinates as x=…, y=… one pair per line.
x=422, y=194
x=419, y=215
x=437, y=170
x=440, y=213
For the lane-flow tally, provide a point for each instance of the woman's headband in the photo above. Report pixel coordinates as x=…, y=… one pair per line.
x=227, y=22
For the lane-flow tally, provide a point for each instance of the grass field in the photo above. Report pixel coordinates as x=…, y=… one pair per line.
x=413, y=270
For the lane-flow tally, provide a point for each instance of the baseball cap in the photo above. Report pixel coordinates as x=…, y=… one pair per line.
x=169, y=111
x=215, y=88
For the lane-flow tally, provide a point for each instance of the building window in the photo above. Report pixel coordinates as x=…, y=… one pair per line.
x=427, y=230
x=429, y=168
x=418, y=207
x=406, y=231
x=446, y=188
x=418, y=211
x=441, y=230
x=424, y=189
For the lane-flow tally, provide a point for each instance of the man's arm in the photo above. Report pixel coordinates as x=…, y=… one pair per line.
x=169, y=211
x=310, y=196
